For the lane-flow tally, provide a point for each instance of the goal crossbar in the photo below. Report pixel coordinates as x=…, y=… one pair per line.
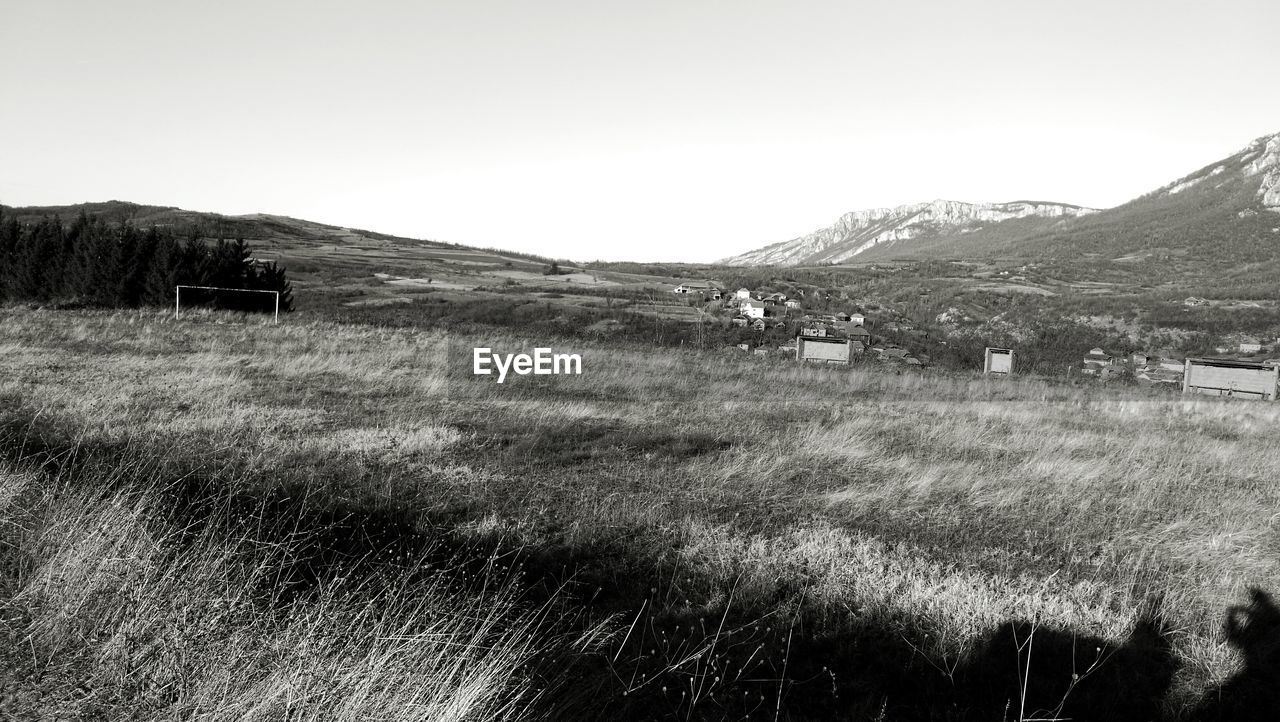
x=177, y=297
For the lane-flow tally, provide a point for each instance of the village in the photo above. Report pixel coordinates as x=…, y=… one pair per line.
x=1248, y=368
x=838, y=338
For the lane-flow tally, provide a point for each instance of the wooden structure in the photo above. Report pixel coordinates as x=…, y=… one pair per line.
x=824, y=349
x=1230, y=377
x=998, y=361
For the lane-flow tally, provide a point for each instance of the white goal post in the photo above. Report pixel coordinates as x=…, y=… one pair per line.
x=177, y=297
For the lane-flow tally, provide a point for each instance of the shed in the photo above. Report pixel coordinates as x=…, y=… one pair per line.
x=998, y=361
x=1231, y=377
x=823, y=349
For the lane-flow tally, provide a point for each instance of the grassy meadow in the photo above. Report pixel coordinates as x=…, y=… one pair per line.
x=223, y=519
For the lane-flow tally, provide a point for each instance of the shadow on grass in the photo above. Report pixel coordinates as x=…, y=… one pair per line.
x=1252, y=694
x=683, y=667
x=671, y=659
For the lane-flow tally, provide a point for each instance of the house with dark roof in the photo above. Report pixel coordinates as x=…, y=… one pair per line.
x=1095, y=361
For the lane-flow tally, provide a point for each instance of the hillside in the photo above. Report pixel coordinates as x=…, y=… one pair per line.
x=860, y=232
x=341, y=272
x=1223, y=214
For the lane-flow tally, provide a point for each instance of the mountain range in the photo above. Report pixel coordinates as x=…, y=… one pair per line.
x=1235, y=202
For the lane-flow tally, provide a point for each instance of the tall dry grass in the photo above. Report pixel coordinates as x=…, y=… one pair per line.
x=932, y=506
x=116, y=608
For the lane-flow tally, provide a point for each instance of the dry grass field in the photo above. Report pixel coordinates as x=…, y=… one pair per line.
x=221, y=519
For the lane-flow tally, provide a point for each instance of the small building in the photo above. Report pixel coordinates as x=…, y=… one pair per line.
x=792, y=303
x=1138, y=359
x=1095, y=361
x=752, y=309
x=857, y=319
x=1250, y=345
x=758, y=324
x=998, y=361
x=893, y=353
x=1231, y=377
x=1107, y=373
x=1193, y=301
x=702, y=288
x=859, y=333
x=842, y=316
x=824, y=350
x=814, y=332
x=739, y=321
x=744, y=347
x=742, y=294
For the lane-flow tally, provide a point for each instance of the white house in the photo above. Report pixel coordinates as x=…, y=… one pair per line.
x=857, y=319
x=752, y=309
x=742, y=294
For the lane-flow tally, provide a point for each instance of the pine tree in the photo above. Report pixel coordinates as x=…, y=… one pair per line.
x=163, y=272
x=137, y=267
x=9, y=234
x=95, y=263
x=271, y=277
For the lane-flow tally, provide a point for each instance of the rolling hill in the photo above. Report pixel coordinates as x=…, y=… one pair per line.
x=335, y=267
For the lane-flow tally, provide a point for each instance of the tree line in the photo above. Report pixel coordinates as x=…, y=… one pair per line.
x=93, y=263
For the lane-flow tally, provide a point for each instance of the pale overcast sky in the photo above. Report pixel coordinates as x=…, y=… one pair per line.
x=685, y=130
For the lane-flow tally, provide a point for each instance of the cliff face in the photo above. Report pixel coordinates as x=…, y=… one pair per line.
x=1259, y=161
x=1262, y=158
x=859, y=231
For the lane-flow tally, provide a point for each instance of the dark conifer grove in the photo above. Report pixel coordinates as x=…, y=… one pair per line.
x=96, y=264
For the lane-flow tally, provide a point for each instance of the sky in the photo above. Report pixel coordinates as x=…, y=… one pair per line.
x=679, y=131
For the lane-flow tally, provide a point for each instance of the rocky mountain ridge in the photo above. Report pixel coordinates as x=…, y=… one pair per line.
x=909, y=230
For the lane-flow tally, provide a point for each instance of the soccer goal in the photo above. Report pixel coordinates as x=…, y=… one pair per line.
x=177, y=297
